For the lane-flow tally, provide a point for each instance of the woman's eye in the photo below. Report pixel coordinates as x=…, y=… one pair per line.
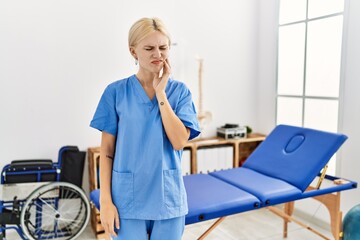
x=151, y=48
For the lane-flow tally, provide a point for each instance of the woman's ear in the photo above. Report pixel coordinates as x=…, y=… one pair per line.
x=133, y=53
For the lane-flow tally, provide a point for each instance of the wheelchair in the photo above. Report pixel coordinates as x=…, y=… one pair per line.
x=40, y=199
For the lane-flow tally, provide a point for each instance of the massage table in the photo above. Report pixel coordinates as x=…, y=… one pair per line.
x=279, y=171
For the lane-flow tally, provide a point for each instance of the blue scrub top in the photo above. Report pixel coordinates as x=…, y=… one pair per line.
x=147, y=180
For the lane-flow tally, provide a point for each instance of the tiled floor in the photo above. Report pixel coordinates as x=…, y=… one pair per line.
x=253, y=225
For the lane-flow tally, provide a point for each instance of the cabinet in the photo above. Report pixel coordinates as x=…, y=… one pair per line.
x=241, y=149
x=94, y=158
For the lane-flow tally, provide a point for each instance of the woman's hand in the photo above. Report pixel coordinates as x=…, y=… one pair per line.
x=109, y=218
x=160, y=82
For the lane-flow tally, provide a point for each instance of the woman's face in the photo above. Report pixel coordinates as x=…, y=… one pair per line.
x=151, y=52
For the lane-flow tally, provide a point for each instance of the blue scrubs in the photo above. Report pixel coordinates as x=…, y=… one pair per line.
x=168, y=229
x=147, y=182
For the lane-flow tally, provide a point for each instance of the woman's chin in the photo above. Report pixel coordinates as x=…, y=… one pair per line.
x=157, y=70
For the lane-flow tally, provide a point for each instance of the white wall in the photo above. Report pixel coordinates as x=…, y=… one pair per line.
x=266, y=65
x=56, y=57
x=350, y=164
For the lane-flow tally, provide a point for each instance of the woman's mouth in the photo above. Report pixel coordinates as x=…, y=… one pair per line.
x=157, y=62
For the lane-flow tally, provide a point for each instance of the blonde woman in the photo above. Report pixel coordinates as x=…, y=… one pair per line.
x=145, y=120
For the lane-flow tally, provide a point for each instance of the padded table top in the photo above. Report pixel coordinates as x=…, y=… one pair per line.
x=267, y=189
x=210, y=198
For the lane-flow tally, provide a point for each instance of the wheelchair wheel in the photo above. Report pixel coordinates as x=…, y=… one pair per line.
x=58, y=210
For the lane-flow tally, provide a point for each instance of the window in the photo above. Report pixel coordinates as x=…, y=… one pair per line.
x=309, y=62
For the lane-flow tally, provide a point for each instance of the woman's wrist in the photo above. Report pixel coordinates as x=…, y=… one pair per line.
x=105, y=200
x=161, y=96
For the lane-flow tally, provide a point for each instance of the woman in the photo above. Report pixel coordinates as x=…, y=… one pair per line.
x=145, y=119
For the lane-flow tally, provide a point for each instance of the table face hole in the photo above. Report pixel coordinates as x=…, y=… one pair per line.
x=294, y=143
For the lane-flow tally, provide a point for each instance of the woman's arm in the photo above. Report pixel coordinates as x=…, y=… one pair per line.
x=175, y=130
x=108, y=212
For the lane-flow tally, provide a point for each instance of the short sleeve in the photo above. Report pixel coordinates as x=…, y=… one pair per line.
x=105, y=117
x=186, y=112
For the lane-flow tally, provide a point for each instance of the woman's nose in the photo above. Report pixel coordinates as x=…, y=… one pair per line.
x=157, y=53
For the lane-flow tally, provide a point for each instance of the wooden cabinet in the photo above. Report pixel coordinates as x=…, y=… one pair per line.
x=94, y=158
x=241, y=148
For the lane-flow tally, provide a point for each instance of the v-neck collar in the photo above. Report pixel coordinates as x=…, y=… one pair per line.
x=141, y=92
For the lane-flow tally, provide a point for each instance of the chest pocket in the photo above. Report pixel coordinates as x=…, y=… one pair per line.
x=122, y=189
x=173, y=188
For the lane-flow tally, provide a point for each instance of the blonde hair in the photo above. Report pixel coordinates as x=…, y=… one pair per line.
x=144, y=27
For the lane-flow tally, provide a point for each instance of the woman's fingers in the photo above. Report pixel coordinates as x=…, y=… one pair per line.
x=109, y=228
x=110, y=220
x=117, y=221
x=161, y=80
x=167, y=68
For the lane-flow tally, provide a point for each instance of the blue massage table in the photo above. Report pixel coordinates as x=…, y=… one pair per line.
x=279, y=171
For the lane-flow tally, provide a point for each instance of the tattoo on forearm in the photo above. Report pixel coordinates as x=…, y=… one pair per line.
x=110, y=157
